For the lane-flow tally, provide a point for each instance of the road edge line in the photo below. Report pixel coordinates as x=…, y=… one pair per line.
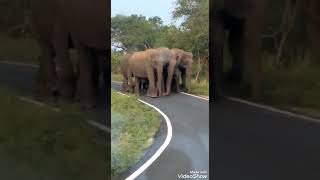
x=155, y=156
x=41, y=104
x=199, y=97
x=99, y=126
x=20, y=64
x=38, y=103
x=273, y=109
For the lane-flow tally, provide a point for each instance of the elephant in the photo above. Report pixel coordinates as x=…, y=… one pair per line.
x=55, y=74
x=80, y=24
x=147, y=64
x=244, y=21
x=124, y=71
x=87, y=23
x=183, y=68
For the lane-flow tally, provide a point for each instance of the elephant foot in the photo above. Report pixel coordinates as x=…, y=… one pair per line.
x=167, y=93
x=152, y=93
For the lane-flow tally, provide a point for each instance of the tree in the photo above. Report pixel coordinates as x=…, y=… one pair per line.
x=134, y=33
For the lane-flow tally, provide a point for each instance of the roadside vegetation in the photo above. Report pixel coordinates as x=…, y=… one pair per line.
x=295, y=87
x=43, y=143
x=133, y=127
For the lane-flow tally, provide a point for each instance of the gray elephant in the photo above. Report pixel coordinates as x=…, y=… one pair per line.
x=243, y=19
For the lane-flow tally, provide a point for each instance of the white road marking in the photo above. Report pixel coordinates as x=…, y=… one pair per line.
x=116, y=82
x=162, y=147
x=100, y=126
x=272, y=109
x=90, y=122
x=32, y=101
x=20, y=64
x=207, y=99
x=123, y=94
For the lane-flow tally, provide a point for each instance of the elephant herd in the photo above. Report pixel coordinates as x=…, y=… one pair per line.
x=162, y=68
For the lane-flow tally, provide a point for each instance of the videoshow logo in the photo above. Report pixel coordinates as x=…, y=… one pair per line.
x=194, y=175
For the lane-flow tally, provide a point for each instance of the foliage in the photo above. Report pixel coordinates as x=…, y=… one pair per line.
x=115, y=62
x=295, y=87
x=134, y=33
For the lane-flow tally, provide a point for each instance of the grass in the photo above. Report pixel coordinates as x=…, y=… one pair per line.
x=296, y=87
x=116, y=77
x=200, y=87
x=133, y=128
x=48, y=144
x=22, y=50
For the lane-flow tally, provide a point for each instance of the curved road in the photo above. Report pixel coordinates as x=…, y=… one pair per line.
x=254, y=143
x=189, y=146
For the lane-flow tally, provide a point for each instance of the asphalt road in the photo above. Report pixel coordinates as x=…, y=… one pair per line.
x=251, y=143
x=189, y=147
x=21, y=79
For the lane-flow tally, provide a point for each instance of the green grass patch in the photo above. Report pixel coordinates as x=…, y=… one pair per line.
x=200, y=88
x=22, y=50
x=133, y=128
x=60, y=145
x=116, y=77
x=295, y=87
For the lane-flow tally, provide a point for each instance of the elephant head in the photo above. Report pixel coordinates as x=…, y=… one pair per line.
x=162, y=57
x=184, y=61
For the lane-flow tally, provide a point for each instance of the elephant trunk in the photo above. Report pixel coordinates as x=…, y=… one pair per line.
x=188, y=78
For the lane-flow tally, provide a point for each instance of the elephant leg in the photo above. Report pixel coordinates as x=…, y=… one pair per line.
x=125, y=84
x=171, y=69
x=152, y=91
x=137, y=86
x=236, y=47
x=130, y=82
x=159, y=78
x=64, y=65
x=85, y=85
x=217, y=30
x=46, y=75
x=177, y=80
